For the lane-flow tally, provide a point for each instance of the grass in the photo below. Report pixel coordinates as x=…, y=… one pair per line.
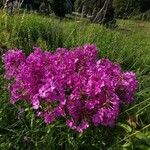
x=128, y=44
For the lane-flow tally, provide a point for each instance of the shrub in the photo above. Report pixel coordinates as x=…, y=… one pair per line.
x=74, y=85
x=144, y=5
x=124, y=9
x=143, y=16
x=59, y=8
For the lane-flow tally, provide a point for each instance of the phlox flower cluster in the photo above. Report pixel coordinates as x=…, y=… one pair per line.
x=72, y=84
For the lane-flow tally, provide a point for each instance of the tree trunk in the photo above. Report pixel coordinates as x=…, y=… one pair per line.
x=99, y=17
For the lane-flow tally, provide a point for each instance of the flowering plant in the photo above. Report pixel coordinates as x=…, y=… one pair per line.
x=73, y=84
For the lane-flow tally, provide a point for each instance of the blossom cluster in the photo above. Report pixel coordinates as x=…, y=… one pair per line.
x=72, y=84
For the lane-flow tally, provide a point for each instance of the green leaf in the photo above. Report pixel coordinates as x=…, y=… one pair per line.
x=127, y=144
x=80, y=135
x=142, y=136
x=143, y=147
x=126, y=127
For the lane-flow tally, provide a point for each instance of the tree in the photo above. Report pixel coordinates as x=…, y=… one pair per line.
x=104, y=14
x=144, y=5
x=1, y=3
x=59, y=8
x=28, y=4
x=100, y=11
x=9, y=6
x=124, y=8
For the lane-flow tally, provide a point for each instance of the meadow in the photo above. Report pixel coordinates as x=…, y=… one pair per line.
x=128, y=44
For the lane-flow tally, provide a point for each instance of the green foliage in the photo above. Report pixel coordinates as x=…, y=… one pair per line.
x=59, y=8
x=128, y=45
x=142, y=16
x=144, y=5
x=124, y=9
